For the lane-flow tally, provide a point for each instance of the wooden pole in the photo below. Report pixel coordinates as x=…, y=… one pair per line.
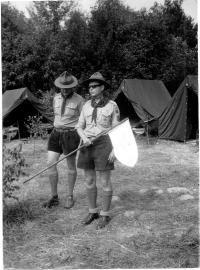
x=19, y=137
x=55, y=163
x=71, y=153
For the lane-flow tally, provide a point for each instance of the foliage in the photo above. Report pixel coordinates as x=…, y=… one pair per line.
x=15, y=28
x=160, y=43
x=178, y=23
x=34, y=126
x=13, y=163
x=48, y=15
x=47, y=100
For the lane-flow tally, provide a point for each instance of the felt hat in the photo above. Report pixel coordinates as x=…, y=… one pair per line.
x=96, y=77
x=66, y=80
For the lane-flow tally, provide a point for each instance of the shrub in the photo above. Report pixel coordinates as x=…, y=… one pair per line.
x=33, y=125
x=47, y=100
x=13, y=162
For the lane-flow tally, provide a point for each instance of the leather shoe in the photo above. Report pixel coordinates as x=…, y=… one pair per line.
x=90, y=217
x=69, y=203
x=54, y=201
x=103, y=221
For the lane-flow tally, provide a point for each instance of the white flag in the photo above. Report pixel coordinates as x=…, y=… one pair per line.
x=124, y=144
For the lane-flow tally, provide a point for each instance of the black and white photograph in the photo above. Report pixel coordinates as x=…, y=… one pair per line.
x=100, y=134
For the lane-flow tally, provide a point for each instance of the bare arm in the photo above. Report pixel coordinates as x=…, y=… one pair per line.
x=80, y=129
x=85, y=139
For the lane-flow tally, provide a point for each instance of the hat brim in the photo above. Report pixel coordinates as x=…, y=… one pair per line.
x=63, y=86
x=86, y=82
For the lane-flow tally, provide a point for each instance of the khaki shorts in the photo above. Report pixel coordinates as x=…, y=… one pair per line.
x=95, y=156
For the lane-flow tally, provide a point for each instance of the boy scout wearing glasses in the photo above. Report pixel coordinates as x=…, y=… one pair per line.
x=64, y=139
x=98, y=114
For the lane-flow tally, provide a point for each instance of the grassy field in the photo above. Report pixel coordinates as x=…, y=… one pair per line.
x=154, y=215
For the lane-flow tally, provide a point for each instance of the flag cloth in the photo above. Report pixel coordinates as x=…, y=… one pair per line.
x=124, y=144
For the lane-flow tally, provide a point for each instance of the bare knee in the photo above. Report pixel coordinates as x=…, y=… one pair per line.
x=52, y=159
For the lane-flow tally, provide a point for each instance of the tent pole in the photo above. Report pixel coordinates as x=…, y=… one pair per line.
x=19, y=137
x=147, y=130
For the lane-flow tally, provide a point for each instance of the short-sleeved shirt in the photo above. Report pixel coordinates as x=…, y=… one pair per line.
x=106, y=118
x=72, y=110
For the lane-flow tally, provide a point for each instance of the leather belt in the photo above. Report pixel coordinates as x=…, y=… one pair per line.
x=64, y=129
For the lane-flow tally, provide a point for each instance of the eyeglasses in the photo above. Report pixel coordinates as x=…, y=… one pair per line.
x=94, y=86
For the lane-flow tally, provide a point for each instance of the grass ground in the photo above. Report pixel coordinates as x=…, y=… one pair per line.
x=151, y=227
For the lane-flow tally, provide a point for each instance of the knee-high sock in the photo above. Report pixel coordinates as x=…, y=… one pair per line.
x=71, y=181
x=92, y=198
x=53, y=179
x=107, y=198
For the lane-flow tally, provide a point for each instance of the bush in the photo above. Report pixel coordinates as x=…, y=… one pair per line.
x=47, y=100
x=33, y=126
x=13, y=162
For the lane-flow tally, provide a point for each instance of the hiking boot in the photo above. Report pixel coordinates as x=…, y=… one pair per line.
x=90, y=217
x=69, y=203
x=54, y=201
x=103, y=221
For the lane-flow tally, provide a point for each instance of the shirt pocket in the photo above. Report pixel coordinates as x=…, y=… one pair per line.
x=88, y=117
x=71, y=110
x=105, y=119
x=57, y=107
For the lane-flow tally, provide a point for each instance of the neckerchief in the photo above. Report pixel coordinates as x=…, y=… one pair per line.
x=64, y=102
x=95, y=105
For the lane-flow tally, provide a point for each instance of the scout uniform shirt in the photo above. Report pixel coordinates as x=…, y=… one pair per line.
x=107, y=117
x=72, y=111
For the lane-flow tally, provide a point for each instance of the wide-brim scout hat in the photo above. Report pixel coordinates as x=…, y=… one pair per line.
x=96, y=77
x=66, y=80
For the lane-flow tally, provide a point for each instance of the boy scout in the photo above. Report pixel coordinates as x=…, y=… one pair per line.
x=98, y=114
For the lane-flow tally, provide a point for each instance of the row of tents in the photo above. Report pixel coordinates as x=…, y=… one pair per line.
x=142, y=101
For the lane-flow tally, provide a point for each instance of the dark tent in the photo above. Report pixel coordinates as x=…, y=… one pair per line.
x=142, y=99
x=179, y=121
x=20, y=103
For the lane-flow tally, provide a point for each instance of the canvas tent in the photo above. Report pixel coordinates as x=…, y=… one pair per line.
x=179, y=121
x=142, y=99
x=20, y=103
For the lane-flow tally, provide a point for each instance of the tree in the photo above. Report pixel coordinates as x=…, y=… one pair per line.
x=160, y=43
x=14, y=29
x=46, y=45
x=181, y=59
x=75, y=38
x=177, y=23
x=104, y=49
x=49, y=15
x=181, y=62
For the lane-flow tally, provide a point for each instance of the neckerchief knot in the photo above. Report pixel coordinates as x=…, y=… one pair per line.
x=96, y=105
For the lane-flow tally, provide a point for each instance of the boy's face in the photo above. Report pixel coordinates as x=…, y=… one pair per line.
x=95, y=88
